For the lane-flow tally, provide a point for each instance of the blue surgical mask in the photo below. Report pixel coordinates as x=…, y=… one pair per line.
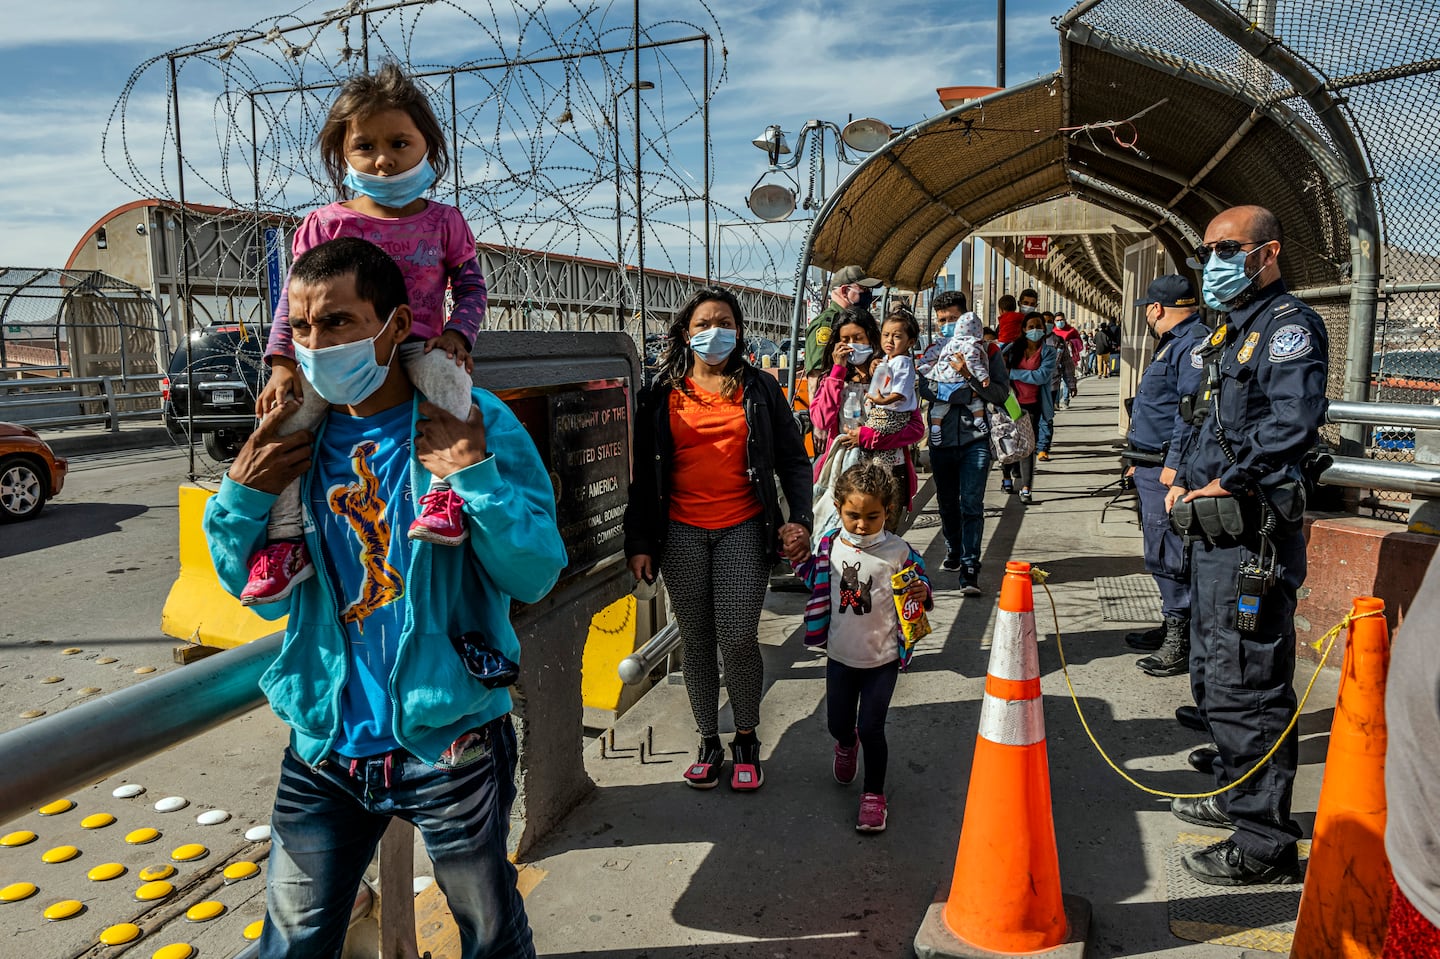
x=1224, y=280
x=860, y=353
x=345, y=375
x=1034, y=336
x=1027, y=310
x=713, y=345
x=396, y=191
x=948, y=329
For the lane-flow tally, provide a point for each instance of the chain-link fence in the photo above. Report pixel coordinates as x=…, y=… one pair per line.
x=1377, y=61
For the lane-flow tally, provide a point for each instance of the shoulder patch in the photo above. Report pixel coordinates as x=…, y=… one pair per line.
x=822, y=335
x=1289, y=342
x=1197, y=357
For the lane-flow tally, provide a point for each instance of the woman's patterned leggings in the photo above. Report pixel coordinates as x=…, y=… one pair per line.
x=717, y=580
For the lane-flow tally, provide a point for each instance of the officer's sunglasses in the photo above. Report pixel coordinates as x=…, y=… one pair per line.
x=1225, y=248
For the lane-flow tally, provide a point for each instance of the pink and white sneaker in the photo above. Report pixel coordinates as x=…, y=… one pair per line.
x=275, y=571
x=441, y=520
x=872, y=813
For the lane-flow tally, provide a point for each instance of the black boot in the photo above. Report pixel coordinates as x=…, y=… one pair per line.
x=1150, y=639
x=1173, y=656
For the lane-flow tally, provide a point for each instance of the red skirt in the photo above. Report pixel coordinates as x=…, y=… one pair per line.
x=1410, y=935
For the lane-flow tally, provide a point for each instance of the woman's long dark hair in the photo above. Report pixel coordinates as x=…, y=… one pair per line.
x=677, y=361
x=851, y=317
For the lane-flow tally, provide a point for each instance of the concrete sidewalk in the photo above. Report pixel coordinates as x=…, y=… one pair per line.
x=650, y=868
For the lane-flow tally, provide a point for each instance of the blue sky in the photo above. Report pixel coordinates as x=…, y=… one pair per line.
x=787, y=63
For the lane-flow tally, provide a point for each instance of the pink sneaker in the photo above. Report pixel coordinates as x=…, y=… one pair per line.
x=872, y=813
x=275, y=570
x=847, y=760
x=441, y=520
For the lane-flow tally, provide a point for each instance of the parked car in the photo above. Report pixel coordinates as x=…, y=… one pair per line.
x=30, y=473
x=224, y=367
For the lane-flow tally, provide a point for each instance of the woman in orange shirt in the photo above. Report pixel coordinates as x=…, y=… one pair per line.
x=712, y=437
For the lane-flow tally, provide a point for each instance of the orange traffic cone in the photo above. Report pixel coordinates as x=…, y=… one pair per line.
x=1005, y=896
x=1345, y=906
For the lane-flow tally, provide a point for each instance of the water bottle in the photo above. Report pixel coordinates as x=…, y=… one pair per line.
x=850, y=411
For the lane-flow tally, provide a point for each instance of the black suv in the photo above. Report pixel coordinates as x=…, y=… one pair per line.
x=223, y=367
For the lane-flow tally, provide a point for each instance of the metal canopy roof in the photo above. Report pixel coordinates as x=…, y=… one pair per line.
x=1204, y=140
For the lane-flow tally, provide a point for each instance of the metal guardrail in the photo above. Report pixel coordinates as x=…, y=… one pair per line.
x=1357, y=472
x=85, y=743
x=1384, y=414
x=60, y=390
x=638, y=665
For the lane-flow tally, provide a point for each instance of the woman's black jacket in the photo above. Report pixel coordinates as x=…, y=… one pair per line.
x=775, y=450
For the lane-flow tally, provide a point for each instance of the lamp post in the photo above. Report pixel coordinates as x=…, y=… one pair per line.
x=619, y=240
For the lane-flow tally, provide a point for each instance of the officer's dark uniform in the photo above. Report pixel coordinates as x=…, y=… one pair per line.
x=1175, y=370
x=1272, y=359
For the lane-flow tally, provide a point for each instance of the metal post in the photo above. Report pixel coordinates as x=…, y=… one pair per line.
x=365, y=39
x=639, y=187
x=1000, y=43
x=705, y=121
x=619, y=240
x=180, y=263
x=454, y=140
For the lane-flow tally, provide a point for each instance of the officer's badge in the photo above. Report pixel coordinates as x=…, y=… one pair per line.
x=1218, y=337
x=822, y=336
x=1288, y=342
x=1248, y=350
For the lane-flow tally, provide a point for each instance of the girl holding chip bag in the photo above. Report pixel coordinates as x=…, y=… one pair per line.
x=867, y=608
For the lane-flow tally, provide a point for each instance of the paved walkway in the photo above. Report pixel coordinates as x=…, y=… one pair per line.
x=650, y=868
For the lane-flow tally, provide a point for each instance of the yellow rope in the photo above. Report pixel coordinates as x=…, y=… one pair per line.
x=1039, y=576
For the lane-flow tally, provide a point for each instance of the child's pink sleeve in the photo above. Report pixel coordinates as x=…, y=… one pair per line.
x=282, y=340
x=467, y=282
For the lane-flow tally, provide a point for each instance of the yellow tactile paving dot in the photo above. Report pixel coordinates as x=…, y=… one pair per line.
x=145, y=669
x=97, y=820
x=52, y=680
x=17, y=891
x=252, y=931
x=139, y=837
x=106, y=871
x=120, y=933
x=17, y=838
x=57, y=807
x=59, y=854
x=203, y=911
x=107, y=660
x=178, y=950
x=153, y=890
x=237, y=871
x=188, y=852
x=32, y=714
x=64, y=909
x=151, y=873
x=71, y=651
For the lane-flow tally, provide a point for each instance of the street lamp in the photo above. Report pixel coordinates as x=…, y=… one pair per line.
x=619, y=240
x=774, y=202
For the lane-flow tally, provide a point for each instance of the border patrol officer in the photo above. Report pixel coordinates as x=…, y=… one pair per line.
x=1239, y=492
x=849, y=287
x=1157, y=434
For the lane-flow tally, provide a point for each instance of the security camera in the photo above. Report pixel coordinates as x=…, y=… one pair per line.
x=140, y=229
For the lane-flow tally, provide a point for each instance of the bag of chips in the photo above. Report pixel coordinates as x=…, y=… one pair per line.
x=914, y=624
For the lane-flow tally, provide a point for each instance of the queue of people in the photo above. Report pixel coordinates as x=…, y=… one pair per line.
x=422, y=517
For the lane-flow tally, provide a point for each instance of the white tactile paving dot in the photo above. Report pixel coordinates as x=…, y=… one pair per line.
x=127, y=791
x=171, y=803
x=258, y=833
x=212, y=817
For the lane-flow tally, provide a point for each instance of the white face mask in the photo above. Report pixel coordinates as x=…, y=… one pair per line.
x=862, y=542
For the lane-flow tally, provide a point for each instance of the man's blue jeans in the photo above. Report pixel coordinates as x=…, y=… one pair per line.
x=959, y=474
x=328, y=821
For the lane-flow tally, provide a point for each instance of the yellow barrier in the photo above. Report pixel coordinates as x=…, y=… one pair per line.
x=197, y=609
x=611, y=639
